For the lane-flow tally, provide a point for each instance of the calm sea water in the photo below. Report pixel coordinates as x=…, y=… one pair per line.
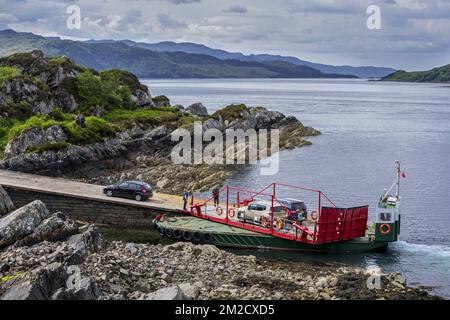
x=366, y=126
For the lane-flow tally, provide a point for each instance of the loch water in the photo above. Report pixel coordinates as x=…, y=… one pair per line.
x=366, y=126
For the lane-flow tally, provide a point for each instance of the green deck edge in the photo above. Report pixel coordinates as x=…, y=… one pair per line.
x=227, y=236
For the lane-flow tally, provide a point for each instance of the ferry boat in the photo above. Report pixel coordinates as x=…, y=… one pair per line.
x=261, y=220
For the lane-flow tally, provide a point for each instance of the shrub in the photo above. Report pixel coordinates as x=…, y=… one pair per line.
x=149, y=117
x=105, y=90
x=20, y=111
x=89, y=90
x=7, y=72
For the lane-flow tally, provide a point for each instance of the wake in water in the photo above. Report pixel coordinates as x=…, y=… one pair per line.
x=427, y=249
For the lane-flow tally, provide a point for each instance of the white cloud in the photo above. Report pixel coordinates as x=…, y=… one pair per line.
x=328, y=31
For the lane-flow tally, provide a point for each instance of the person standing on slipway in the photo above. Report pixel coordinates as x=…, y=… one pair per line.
x=185, y=200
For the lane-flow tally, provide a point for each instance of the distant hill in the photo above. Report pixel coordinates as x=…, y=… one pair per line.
x=145, y=63
x=167, y=46
x=441, y=74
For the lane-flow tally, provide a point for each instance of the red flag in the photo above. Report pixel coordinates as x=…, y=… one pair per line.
x=403, y=174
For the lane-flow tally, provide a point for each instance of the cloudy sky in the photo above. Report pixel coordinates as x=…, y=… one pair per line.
x=414, y=34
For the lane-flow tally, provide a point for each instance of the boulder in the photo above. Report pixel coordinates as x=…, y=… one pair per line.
x=169, y=293
x=38, y=284
x=197, y=109
x=22, y=222
x=80, y=245
x=53, y=229
x=51, y=282
x=191, y=291
x=6, y=205
x=142, y=98
x=86, y=289
x=161, y=101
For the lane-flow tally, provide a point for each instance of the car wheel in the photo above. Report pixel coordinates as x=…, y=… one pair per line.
x=138, y=197
x=109, y=193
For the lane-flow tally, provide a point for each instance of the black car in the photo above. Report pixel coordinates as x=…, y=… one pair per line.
x=136, y=190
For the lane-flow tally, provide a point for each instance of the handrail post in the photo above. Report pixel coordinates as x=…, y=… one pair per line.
x=271, y=217
x=238, y=200
x=228, y=198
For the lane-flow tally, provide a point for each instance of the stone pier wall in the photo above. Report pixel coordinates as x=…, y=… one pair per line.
x=118, y=215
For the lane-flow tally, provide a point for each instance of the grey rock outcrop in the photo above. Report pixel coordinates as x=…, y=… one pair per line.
x=197, y=109
x=50, y=283
x=43, y=84
x=6, y=204
x=142, y=98
x=51, y=162
x=82, y=244
x=157, y=133
x=22, y=222
x=55, y=228
x=32, y=138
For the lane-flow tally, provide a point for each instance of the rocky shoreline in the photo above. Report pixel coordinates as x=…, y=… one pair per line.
x=46, y=256
x=128, y=131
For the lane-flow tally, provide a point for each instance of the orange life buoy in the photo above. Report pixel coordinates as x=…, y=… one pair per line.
x=231, y=213
x=385, y=229
x=314, y=215
x=279, y=224
x=265, y=221
x=219, y=211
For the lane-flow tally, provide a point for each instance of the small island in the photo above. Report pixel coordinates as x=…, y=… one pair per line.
x=436, y=75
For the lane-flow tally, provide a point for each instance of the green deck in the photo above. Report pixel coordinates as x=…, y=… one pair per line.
x=227, y=236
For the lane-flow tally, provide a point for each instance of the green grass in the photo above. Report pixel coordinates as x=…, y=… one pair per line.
x=41, y=121
x=147, y=117
x=8, y=73
x=96, y=130
x=231, y=112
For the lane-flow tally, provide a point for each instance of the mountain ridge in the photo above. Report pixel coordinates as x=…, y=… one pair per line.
x=146, y=63
x=188, y=47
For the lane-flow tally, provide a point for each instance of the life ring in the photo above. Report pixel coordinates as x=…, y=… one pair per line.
x=265, y=221
x=314, y=215
x=279, y=224
x=219, y=211
x=231, y=213
x=385, y=229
